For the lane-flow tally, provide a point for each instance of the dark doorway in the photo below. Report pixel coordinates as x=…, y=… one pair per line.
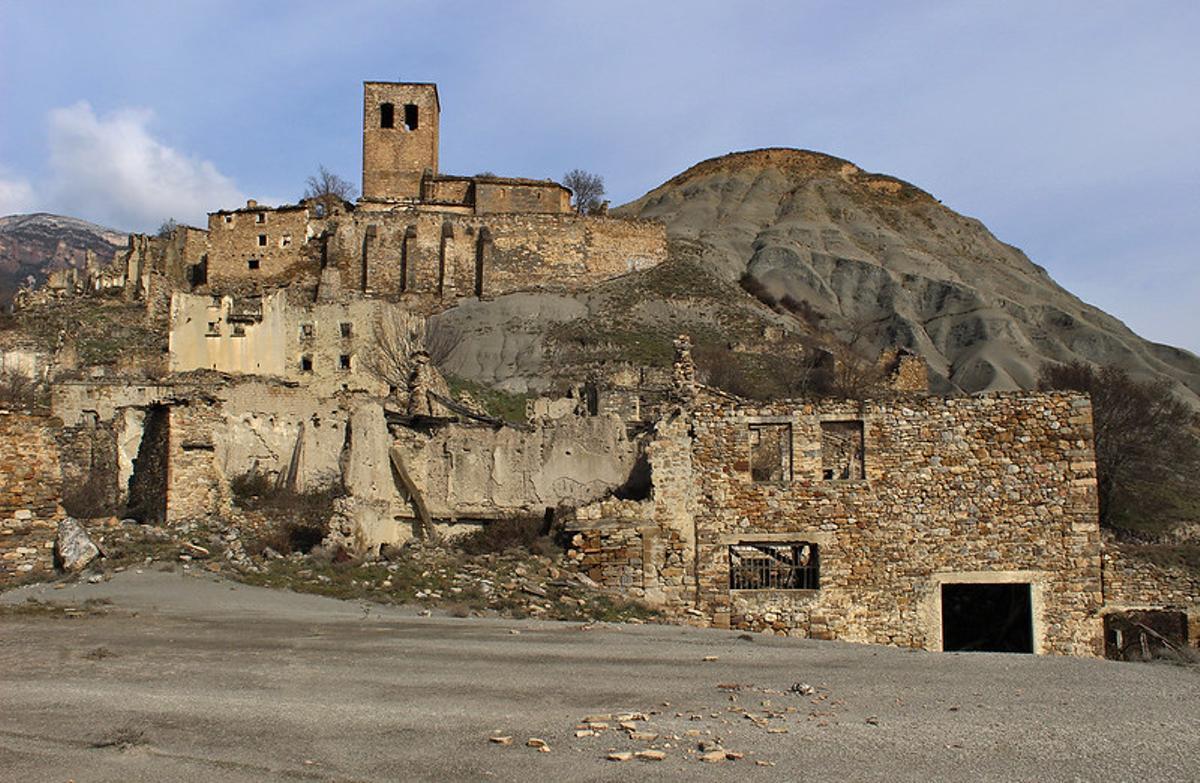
x=987, y=618
x=148, y=484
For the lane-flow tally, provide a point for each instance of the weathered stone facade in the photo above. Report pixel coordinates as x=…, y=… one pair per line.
x=30, y=489
x=1131, y=582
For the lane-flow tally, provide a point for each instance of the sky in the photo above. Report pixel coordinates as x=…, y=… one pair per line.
x=1070, y=129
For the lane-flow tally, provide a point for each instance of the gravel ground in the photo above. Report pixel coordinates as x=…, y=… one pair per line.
x=190, y=677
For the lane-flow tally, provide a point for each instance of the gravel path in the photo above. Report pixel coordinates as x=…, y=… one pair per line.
x=193, y=678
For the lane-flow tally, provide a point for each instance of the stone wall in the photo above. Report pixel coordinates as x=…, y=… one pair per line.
x=448, y=255
x=489, y=473
x=396, y=157
x=1131, y=581
x=327, y=345
x=261, y=245
x=30, y=486
x=495, y=196
x=997, y=489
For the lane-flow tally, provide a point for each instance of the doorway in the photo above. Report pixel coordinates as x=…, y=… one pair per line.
x=984, y=617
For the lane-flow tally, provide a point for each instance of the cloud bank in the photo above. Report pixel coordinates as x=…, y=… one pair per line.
x=112, y=170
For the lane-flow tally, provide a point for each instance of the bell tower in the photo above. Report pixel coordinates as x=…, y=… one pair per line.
x=400, y=138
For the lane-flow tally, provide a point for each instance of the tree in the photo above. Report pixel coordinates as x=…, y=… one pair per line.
x=588, y=189
x=1147, y=444
x=328, y=189
x=167, y=228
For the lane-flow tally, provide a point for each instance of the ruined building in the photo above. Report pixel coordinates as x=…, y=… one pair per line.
x=909, y=520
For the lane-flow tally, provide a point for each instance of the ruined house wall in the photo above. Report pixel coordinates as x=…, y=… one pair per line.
x=277, y=239
x=1132, y=582
x=30, y=485
x=195, y=487
x=326, y=344
x=486, y=473
x=995, y=488
x=521, y=196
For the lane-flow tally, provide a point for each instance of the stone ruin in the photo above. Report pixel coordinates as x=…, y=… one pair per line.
x=296, y=352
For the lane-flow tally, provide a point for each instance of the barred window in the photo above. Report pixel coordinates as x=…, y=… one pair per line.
x=794, y=566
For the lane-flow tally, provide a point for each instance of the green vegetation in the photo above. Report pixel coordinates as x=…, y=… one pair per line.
x=103, y=330
x=500, y=404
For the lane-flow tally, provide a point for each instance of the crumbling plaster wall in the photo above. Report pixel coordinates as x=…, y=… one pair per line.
x=486, y=473
x=301, y=342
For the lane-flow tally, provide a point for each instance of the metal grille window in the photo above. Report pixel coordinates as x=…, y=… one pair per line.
x=774, y=566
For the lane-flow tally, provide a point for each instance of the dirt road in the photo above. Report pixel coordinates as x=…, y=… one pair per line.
x=188, y=678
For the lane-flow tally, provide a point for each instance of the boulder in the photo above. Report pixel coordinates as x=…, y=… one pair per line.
x=73, y=548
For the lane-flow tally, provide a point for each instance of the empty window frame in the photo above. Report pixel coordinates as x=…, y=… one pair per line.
x=239, y=330
x=387, y=115
x=262, y=240
x=307, y=331
x=306, y=363
x=347, y=329
x=411, y=116
x=790, y=566
x=842, y=451
x=214, y=329
x=229, y=220
x=771, y=452
x=344, y=362
x=260, y=217
x=252, y=264
x=285, y=240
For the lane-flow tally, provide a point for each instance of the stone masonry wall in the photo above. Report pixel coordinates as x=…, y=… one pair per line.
x=997, y=488
x=449, y=255
x=234, y=239
x=1133, y=582
x=30, y=485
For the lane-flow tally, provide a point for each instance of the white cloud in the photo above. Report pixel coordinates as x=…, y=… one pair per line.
x=16, y=196
x=111, y=170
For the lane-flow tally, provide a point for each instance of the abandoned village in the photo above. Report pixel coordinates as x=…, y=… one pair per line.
x=302, y=350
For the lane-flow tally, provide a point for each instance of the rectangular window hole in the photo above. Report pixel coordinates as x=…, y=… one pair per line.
x=771, y=452
x=305, y=364
x=252, y=263
x=842, y=451
x=411, y=116
x=793, y=566
x=344, y=361
x=387, y=115
x=307, y=331
x=347, y=329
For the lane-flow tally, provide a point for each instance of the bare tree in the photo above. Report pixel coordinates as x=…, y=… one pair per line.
x=588, y=189
x=167, y=228
x=1147, y=444
x=328, y=189
x=390, y=357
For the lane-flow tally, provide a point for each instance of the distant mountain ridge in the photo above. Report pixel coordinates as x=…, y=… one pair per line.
x=35, y=244
x=881, y=261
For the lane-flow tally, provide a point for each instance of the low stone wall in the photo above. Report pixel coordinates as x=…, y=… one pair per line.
x=1131, y=581
x=30, y=486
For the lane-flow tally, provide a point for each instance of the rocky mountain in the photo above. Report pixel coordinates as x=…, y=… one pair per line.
x=877, y=262
x=33, y=245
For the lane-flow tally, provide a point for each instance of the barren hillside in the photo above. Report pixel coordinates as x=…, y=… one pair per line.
x=32, y=245
x=876, y=260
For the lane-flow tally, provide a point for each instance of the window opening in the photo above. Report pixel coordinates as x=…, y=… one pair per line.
x=347, y=329
x=261, y=217
x=410, y=116
x=344, y=361
x=262, y=240
x=794, y=566
x=252, y=263
x=842, y=451
x=214, y=329
x=771, y=452
x=387, y=115
x=307, y=331
x=285, y=240
x=306, y=364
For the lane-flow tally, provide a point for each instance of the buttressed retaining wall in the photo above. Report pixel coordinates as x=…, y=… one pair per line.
x=451, y=255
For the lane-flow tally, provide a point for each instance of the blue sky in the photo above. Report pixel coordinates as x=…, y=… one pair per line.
x=1070, y=128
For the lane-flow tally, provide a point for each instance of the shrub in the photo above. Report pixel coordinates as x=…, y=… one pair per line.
x=529, y=533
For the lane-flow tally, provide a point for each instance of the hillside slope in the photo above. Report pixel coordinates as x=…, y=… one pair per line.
x=877, y=261
x=33, y=245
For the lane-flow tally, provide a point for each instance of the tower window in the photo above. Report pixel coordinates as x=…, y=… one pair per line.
x=387, y=115
x=262, y=240
x=344, y=361
x=306, y=364
x=347, y=329
x=252, y=263
x=410, y=116
x=261, y=217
